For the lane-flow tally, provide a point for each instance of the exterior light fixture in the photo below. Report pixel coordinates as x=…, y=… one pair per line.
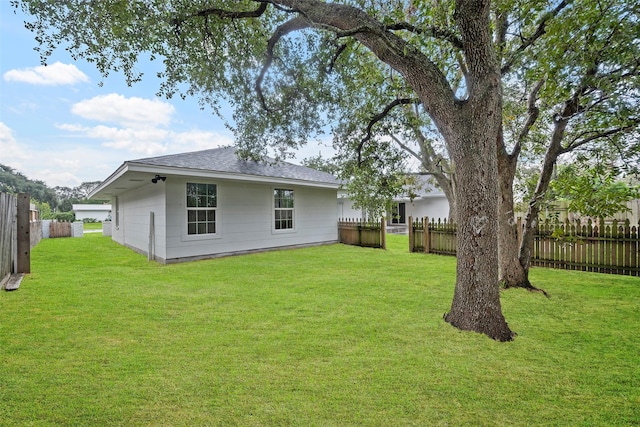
x=158, y=178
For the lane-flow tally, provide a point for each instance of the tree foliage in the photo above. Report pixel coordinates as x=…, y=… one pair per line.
x=14, y=182
x=572, y=93
x=322, y=164
x=593, y=192
x=51, y=199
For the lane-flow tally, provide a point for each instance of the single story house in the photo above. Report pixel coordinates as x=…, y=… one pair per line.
x=428, y=200
x=97, y=212
x=211, y=203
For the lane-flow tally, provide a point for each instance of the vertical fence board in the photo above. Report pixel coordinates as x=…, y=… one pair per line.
x=7, y=245
x=59, y=229
x=23, y=239
x=412, y=234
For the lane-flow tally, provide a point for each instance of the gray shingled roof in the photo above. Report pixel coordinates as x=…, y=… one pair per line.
x=225, y=160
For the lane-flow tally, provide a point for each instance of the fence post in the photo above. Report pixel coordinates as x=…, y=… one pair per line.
x=411, y=235
x=23, y=241
x=427, y=235
x=383, y=233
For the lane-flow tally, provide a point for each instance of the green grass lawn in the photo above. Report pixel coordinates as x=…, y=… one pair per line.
x=92, y=226
x=323, y=336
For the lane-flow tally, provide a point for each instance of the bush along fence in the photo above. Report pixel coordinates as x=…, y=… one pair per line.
x=601, y=248
x=370, y=234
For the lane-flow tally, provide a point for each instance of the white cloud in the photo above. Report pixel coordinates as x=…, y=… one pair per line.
x=322, y=147
x=140, y=126
x=200, y=140
x=59, y=178
x=37, y=164
x=133, y=112
x=148, y=141
x=11, y=153
x=50, y=75
x=66, y=163
x=69, y=166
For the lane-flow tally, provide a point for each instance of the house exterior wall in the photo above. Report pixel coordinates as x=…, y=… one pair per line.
x=433, y=207
x=132, y=227
x=346, y=210
x=97, y=212
x=245, y=218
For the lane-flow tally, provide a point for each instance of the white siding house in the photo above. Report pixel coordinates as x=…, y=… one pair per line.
x=210, y=203
x=428, y=201
x=96, y=212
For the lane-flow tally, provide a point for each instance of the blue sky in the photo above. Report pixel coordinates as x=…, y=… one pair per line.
x=58, y=125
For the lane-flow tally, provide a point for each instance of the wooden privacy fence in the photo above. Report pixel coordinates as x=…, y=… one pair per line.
x=363, y=233
x=600, y=248
x=15, y=236
x=439, y=238
x=59, y=229
x=35, y=233
x=7, y=234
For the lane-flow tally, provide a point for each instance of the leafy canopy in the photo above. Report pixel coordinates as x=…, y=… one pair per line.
x=288, y=81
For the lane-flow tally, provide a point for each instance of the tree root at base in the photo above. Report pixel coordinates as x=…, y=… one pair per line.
x=528, y=286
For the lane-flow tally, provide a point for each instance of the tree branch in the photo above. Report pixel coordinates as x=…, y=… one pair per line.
x=577, y=142
x=534, y=112
x=406, y=147
x=431, y=85
x=295, y=24
x=541, y=29
x=434, y=32
x=380, y=116
x=233, y=14
x=335, y=57
x=222, y=14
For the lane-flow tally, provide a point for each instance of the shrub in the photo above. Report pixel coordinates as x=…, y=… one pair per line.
x=64, y=216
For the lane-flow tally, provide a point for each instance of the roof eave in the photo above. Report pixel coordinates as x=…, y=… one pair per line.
x=200, y=173
x=115, y=175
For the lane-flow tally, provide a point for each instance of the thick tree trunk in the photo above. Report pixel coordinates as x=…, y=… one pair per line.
x=511, y=272
x=471, y=139
x=476, y=303
x=470, y=128
x=553, y=152
x=531, y=219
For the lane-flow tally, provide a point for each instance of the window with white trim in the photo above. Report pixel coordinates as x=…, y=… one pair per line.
x=283, y=209
x=202, y=206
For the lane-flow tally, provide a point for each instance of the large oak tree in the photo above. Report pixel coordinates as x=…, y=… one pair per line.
x=570, y=78
x=270, y=59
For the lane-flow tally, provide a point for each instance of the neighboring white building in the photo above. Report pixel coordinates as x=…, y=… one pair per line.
x=97, y=212
x=346, y=210
x=210, y=203
x=429, y=201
